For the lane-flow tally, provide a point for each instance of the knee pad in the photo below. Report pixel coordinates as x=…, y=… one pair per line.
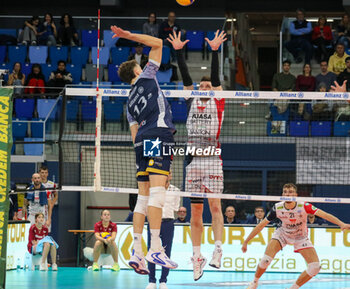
x=313, y=269
x=157, y=197
x=265, y=262
x=141, y=205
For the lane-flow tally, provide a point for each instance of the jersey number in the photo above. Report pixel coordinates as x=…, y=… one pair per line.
x=142, y=103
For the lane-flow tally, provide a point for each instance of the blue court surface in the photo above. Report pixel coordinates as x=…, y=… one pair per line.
x=127, y=279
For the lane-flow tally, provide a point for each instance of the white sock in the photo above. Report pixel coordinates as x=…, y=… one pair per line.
x=256, y=280
x=295, y=286
x=156, y=244
x=218, y=244
x=138, y=243
x=196, y=251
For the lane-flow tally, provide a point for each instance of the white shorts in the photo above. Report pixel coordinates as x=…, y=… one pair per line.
x=299, y=244
x=205, y=174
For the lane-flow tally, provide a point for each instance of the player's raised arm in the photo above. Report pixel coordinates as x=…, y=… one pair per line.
x=215, y=45
x=178, y=45
x=156, y=44
x=332, y=219
x=253, y=233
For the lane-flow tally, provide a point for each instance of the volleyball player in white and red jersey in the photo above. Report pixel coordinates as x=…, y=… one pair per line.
x=293, y=231
x=204, y=173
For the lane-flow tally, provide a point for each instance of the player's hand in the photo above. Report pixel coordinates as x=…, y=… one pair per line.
x=345, y=227
x=105, y=241
x=244, y=247
x=118, y=32
x=48, y=223
x=337, y=88
x=217, y=41
x=175, y=40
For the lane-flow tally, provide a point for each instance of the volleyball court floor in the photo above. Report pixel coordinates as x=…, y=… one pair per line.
x=126, y=279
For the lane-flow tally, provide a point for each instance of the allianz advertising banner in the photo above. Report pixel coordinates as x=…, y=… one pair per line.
x=332, y=246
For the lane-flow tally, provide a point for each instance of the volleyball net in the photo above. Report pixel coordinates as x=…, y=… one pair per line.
x=266, y=139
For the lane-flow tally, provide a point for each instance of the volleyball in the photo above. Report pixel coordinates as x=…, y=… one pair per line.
x=185, y=2
x=105, y=235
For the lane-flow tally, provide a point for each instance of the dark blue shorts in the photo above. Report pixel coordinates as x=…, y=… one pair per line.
x=153, y=153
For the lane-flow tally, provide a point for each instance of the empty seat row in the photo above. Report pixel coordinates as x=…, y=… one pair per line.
x=46, y=108
x=78, y=55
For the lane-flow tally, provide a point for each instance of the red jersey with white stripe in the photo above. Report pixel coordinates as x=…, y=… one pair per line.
x=294, y=221
x=204, y=122
x=99, y=228
x=36, y=234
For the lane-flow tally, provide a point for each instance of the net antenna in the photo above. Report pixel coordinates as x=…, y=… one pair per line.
x=97, y=166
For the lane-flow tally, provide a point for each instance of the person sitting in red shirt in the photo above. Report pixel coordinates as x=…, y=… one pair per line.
x=322, y=37
x=35, y=80
x=40, y=243
x=105, y=234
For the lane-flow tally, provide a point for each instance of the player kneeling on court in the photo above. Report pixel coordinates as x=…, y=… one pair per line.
x=40, y=243
x=293, y=231
x=105, y=233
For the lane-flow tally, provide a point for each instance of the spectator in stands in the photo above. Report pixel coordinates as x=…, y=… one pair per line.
x=181, y=215
x=105, y=234
x=36, y=201
x=40, y=243
x=322, y=109
x=336, y=62
x=167, y=27
x=305, y=81
x=259, y=214
x=282, y=81
x=17, y=78
x=322, y=37
x=300, y=31
x=48, y=31
x=61, y=77
x=67, y=34
x=36, y=80
x=13, y=210
x=313, y=220
x=343, y=31
x=230, y=216
x=325, y=76
x=140, y=58
x=151, y=27
x=30, y=31
x=345, y=75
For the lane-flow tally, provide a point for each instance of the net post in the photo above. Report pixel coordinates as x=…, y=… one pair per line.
x=59, y=142
x=97, y=165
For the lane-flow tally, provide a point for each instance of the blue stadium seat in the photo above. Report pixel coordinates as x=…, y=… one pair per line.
x=88, y=110
x=76, y=72
x=299, y=128
x=17, y=54
x=321, y=128
x=164, y=76
x=34, y=149
x=166, y=55
x=19, y=128
x=44, y=107
x=196, y=40
x=10, y=32
x=37, y=129
x=26, y=68
x=341, y=128
x=91, y=72
x=38, y=54
x=146, y=50
x=2, y=53
x=279, y=116
x=13, y=149
x=179, y=110
x=89, y=38
x=47, y=69
x=108, y=41
x=24, y=108
x=277, y=128
x=113, y=73
x=104, y=55
x=79, y=55
x=72, y=110
x=57, y=53
x=119, y=54
x=113, y=110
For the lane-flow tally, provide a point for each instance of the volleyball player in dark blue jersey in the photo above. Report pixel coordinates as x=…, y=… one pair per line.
x=150, y=119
